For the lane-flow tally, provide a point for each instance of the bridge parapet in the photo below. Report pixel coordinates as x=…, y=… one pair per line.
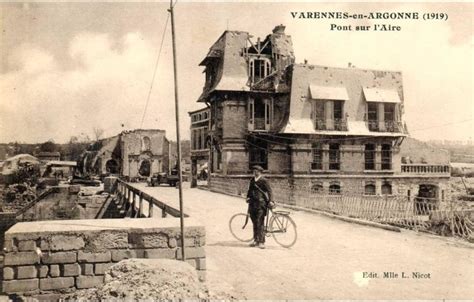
x=135, y=203
x=54, y=256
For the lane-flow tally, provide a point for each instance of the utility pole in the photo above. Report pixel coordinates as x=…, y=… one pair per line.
x=181, y=209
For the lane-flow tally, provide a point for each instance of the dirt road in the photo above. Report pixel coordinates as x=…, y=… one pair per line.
x=329, y=258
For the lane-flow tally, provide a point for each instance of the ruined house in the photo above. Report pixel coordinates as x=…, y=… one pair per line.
x=132, y=154
x=312, y=128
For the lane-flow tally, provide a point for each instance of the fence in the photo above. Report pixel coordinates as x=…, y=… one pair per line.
x=132, y=201
x=446, y=218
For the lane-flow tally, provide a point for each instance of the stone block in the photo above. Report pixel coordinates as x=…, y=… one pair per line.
x=59, y=257
x=172, y=243
x=191, y=253
x=107, y=240
x=21, y=258
x=160, y=254
x=94, y=257
x=26, y=272
x=201, y=264
x=54, y=270
x=147, y=240
x=9, y=246
x=87, y=269
x=118, y=255
x=56, y=283
x=71, y=270
x=201, y=241
x=66, y=243
x=43, y=271
x=8, y=273
x=20, y=286
x=27, y=245
x=100, y=268
x=188, y=242
x=89, y=281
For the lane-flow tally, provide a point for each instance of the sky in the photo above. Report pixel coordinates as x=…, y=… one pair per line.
x=67, y=68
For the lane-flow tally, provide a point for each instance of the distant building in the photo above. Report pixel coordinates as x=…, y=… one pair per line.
x=48, y=156
x=132, y=154
x=200, y=141
x=312, y=128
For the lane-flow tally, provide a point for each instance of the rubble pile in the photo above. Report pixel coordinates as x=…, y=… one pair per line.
x=16, y=196
x=155, y=279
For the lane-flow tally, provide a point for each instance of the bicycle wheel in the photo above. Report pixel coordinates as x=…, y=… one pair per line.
x=283, y=229
x=240, y=230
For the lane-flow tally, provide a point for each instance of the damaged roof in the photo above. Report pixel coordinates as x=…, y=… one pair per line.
x=311, y=82
x=232, y=67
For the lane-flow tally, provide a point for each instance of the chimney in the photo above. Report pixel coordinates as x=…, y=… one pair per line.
x=279, y=29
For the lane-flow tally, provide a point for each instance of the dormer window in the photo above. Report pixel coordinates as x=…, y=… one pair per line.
x=259, y=68
x=382, y=110
x=328, y=107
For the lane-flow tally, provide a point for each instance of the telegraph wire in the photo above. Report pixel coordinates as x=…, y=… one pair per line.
x=156, y=68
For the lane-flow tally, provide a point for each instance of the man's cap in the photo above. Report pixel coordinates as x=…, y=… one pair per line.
x=258, y=168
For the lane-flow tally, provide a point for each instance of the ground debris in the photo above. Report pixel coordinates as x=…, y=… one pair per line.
x=157, y=279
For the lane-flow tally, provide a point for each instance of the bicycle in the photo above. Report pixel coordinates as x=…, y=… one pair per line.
x=279, y=225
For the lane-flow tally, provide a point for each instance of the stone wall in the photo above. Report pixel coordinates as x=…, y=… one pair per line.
x=62, y=256
x=297, y=190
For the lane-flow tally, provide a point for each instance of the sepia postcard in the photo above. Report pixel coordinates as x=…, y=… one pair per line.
x=238, y=150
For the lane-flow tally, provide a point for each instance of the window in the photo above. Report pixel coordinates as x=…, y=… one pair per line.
x=260, y=114
x=389, y=116
x=258, y=154
x=370, y=189
x=334, y=157
x=369, y=157
x=146, y=143
x=335, y=115
x=317, y=163
x=386, y=188
x=386, y=157
x=317, y=188
x=334, y=189
x=372, y=116
x=339, y=123
x=259, y=69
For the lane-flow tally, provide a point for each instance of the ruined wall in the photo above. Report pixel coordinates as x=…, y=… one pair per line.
x=140, y=145
x=53, y=256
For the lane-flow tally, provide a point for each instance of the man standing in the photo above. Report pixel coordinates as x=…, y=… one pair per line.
x=259, y=196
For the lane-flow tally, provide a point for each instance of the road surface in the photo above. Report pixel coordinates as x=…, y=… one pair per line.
x=329, y=259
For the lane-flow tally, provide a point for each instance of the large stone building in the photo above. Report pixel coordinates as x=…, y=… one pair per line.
x=132, y=154
x=313, y=128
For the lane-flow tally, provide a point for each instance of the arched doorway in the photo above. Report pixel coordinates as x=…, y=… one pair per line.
x=427, y=199
x=112, y=166
x=145, y=168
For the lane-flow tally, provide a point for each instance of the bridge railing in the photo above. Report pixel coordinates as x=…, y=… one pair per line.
x=132, y=202
x=446, y=218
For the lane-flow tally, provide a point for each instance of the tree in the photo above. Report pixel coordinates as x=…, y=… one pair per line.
x=98, y=132
x=49, y=146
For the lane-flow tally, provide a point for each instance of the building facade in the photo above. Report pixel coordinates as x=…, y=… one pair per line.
x=314, y=129
x=131, y=154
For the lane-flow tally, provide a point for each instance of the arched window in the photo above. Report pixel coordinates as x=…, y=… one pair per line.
x=146, y=143
x=112, y=166
x=317, y=188
x=369, y=189
x=334, y=189
x=386, y=188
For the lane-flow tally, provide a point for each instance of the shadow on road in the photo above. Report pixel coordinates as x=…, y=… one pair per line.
x=237, y=244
